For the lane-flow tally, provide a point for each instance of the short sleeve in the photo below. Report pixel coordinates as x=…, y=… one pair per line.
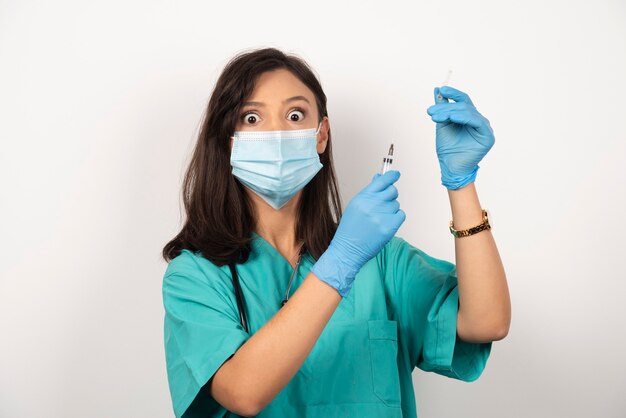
x=201, y=331
x=424, y=297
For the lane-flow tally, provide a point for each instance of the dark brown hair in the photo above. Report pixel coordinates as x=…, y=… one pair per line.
x=220, y=216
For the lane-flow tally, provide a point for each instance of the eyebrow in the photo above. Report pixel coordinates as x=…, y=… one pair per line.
x=291, y=99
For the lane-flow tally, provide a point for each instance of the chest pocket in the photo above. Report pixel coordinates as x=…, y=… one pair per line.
x=351, y=363
x=383, y=345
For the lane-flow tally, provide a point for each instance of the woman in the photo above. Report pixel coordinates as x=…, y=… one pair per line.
x=336, y=311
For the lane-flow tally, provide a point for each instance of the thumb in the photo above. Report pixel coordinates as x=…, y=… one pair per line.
x=439, y=98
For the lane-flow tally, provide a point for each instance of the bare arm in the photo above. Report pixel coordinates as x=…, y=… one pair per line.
x=263, y=365
x=484, y=302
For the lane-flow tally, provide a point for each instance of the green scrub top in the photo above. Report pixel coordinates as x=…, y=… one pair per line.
x=400, y=314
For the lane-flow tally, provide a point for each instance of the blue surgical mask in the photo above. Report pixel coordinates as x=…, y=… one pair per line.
x=275, y=164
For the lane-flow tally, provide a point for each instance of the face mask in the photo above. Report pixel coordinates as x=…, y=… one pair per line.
x=275, y=164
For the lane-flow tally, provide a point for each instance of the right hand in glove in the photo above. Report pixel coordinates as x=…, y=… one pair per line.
x=370, y=220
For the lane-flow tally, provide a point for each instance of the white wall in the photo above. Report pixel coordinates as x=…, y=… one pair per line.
x=100, y=103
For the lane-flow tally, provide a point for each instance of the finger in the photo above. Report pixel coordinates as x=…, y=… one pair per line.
x=457, y=95
x=441, y=117
x=400, y=217
x=448, y=106
x=381, y=182
x=473, y=119
x=395, y=220
x=390, y=193
x=388, y=206
x=476, y=122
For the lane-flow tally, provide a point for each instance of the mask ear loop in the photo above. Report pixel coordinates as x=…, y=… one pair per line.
x=319, y=127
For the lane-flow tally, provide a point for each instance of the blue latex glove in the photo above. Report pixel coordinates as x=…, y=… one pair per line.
x=464, y=137
x=370, y=220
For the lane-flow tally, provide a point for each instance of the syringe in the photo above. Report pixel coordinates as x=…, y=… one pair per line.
x=388, y=160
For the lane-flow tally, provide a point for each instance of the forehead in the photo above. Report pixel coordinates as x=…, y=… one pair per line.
x=277, y=85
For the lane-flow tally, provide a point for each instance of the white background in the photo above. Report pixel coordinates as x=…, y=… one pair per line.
x=100, y=103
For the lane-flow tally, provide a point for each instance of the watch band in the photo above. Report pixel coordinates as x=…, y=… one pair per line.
x=471, y=231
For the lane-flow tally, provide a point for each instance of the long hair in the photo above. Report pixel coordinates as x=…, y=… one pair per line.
x=220, y=216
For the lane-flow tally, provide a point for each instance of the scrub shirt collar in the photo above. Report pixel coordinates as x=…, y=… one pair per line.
x=307, y=259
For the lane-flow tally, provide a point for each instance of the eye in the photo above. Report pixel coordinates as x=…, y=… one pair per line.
x=250, y=117
x=294, y=115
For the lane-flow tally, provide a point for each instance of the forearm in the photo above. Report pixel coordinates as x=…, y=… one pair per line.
x=264, y=365
x=484, y=301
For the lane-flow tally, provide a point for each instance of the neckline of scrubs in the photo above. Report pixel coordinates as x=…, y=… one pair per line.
x=306, y=256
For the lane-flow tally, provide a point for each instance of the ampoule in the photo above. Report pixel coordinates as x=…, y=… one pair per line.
x=445, y=83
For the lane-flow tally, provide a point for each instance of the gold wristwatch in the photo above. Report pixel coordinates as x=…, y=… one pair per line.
x=466, y=232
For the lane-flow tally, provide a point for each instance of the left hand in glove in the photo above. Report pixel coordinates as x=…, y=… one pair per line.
x=463, y=137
